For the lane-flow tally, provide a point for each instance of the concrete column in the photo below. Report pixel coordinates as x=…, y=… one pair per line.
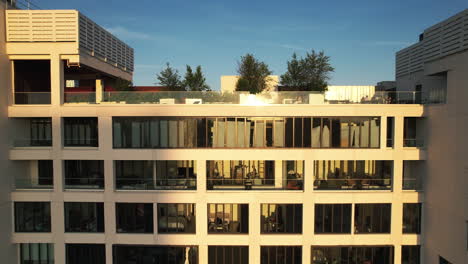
x=56, y=79
x=109, y=177
x=279, y=174
x=254, y=231
x=383, y=132
x=105, y=133
x=399, y=124
x=99, y=90
x=201, y=175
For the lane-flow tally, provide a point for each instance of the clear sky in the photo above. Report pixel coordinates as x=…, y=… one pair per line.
x=360, y=36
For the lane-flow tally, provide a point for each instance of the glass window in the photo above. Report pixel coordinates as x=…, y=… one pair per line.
x=41, y=131
x=411, y=218
x=85, y=253
x=332, y=218
x=412, y=174
x=410, y=254
x=126, y=254
x=176, y=174
x=281, y=218
x=293, y=174
x=80, y=131
x=134, y=174
x=289, y=132
x=316, y=132
x=32, y=216
x=228, y=255
x=353, y=175
x=280, y=254
x=134, y=217
x=352, y=255
x=84, y=174
x=84, y=217
x=278, y=131
x=298, y=132
x=36, y=253
x=375, y=132
x=372, y=218
x=176, y=218
x=240, y=174
x=390, y=131
x=228, y=218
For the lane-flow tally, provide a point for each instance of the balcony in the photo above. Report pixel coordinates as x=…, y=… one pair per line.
x=268, y=98
x=84, y=174
x=31, y=132
x=353, y=175
x=32, y=82
x=33, y=175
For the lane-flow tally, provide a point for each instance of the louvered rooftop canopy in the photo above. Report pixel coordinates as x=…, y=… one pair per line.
x=68, y=26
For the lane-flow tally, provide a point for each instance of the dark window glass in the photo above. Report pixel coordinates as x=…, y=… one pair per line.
x=298, y=127
x=280, y=254
x=41, y=131
x=390, y=131
x=126, y=254
x=443, y=260
x=176, y=174
x=281, y=218
x=289, y=132
x=228, y=218
x=176, y=218
x=32, y=216
x=269, y=133
x=36, y=253
x=372, y=218
x=240, y=174
x=336, y=133
x=134, y=217
x=45, y=172
x=307, y=134
x=32, y=81
x=84, y=217
x=201, y=133
x=412, y=174
x=134, y=174
x=228, y=255
x=410, y=254
x=332, y=218
x=353, y=174
x=80, y=131
x=352, y=255
x=86, y=253
x=84, y=174
x=412, y=218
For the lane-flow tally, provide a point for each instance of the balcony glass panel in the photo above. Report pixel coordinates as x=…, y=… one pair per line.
x=80, y=131
x=176, y=218
x=85, y=253
x=134, y=217
x=32, y=216
x=32, y=132
x=353, y=175
x=84, y=174
x=228, y=218
x=84, y=217
x=126, y=254
x=32, y=82
x=280, y=254
x=351, y=255
x=372, y=218
x=281, y=218
x=35, y=174
x=36, y=253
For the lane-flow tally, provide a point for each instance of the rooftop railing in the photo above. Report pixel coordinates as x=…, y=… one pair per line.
x=268, y=98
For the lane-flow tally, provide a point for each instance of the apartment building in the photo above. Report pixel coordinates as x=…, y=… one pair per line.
x=93, y=174
x=437, y=66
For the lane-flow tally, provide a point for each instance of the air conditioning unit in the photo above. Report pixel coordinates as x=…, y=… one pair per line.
x=193, y=101
x=167, y=101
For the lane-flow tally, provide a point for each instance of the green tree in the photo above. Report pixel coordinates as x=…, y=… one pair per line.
x=169, y=77
x=195, y=81
x=310, y=73
x=253, y=74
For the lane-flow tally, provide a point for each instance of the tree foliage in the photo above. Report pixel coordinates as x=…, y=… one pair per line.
x=310, y=73
x=253, y=74
x=169, y=77
x=195, y=81
x=123, y=85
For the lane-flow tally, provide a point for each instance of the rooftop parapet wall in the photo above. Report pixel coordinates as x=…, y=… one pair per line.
x=445, y=38
x=68, y=26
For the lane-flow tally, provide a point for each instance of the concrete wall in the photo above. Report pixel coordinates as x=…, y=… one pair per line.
x=445, y=212
x=446, y=187
x=7, y=249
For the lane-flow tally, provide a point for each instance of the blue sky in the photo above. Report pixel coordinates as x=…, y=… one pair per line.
x=360, y=36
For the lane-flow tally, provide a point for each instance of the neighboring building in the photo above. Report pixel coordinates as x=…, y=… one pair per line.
x=94, y=175
x=437, y=66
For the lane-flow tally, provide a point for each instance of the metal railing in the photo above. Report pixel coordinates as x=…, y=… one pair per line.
x=158, y=184
x=28, y=183
x=412, y=184
x=81, y=142
x=353, y=184
x=19, y=143
x=32, y=98
x=80, y=97
x=253, y=184
x=84, y=183
x=266, y=98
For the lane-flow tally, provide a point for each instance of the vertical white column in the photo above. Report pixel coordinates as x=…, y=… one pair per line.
x=56, y=79
x=399, y=124
x=254, y=231
x=105, y=134
x=99, y=90
x=279, y=174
